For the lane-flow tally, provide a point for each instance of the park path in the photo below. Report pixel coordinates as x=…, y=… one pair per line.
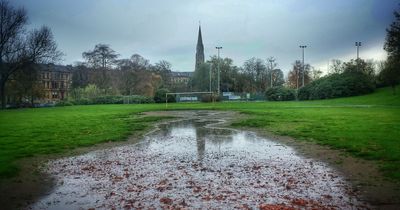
x=193, y=163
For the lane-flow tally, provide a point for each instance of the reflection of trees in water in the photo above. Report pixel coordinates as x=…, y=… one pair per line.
x=201, y=143
x=214, y=136
x=217, y=136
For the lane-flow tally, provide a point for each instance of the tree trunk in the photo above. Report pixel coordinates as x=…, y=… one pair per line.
x=394, y=89
x=32, y=101
x=3, y=94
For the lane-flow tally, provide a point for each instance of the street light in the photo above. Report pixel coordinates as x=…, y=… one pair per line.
x=219, y=80
x=210, y=76
x=271, y=60
x=358, y=45
x=303, y=47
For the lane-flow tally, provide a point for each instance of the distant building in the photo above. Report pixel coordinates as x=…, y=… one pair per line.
x=180, y=77
x=56, y=81
x=52, y=84
x=199, y=50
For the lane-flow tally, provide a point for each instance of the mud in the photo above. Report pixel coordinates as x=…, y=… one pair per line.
x=196, y=163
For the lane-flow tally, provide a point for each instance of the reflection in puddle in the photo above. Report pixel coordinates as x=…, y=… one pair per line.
x=194, y=165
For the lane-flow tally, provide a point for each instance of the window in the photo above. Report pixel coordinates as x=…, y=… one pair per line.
x=54, y=85
x=54, y=94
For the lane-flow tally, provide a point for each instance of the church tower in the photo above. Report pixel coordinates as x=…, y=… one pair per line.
x=199, y=50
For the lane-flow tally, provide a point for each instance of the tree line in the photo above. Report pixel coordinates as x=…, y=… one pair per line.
x=126, y=76
x=104, y=73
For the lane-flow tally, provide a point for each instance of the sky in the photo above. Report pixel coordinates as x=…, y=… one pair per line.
x=167, y=29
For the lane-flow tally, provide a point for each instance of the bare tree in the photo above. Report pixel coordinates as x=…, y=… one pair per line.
x=12, y=22
x=41, y=46
x=101, y=59
x=139, y=62
x=18, y=50
x=294, y=75
x=255, y=68
x=102, y=56
x=277, y=78
x=163, y=68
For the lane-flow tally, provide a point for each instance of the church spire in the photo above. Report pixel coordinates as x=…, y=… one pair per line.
x=199, y=49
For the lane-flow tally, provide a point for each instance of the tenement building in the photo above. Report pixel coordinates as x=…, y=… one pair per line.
x=56, y=81
x=39, y=85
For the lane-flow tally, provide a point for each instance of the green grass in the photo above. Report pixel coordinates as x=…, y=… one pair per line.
x=365, y=126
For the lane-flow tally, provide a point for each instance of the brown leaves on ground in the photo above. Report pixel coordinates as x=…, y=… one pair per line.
x=275, y=207
x=167, y=201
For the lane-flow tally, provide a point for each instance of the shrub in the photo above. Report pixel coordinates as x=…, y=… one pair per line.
x=137, y=99
x=118, y=99
x=82, y=101
x=64, y=103
x=337, y=85
x=280, y=94
x=108, y=100
x=159, y=97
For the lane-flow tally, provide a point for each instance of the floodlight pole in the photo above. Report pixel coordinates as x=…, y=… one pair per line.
x=271, y=60
x=358, y=45
x=219, y=78
x=210, y=77
x=303, y=47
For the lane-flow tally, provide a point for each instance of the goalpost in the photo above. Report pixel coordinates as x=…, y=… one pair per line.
x=191, y=96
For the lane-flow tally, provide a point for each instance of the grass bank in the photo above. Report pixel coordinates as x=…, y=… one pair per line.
x=364, y=126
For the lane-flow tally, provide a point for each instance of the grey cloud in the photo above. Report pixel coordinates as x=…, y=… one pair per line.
x=168, y=29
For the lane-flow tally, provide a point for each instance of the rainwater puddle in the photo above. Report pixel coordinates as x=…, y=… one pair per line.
x=191, y=164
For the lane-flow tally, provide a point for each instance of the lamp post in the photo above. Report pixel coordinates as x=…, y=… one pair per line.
x=303, y=47
x=210, y=77
x=271, y=60
x=219, y=79
x=358, y=45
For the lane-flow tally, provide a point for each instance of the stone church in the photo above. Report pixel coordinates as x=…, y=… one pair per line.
x=199, y=50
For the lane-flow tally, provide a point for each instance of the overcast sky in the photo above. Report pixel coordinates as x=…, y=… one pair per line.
x=167, y=29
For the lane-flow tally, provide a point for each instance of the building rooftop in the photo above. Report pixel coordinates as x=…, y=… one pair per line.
x=55, y=67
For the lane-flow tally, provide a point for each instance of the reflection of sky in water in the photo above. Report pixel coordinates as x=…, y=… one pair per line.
x=191, y=137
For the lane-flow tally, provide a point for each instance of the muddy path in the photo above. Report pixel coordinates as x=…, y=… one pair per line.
x=197, y=162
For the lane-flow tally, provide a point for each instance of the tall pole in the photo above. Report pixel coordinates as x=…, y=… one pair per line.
x=210, y=78
x=219, y=78
x=271, y=60
x=271, y=77
x=358, y=45
x=303, y=47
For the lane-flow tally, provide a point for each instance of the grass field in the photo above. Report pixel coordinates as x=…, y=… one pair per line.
x=365, y=126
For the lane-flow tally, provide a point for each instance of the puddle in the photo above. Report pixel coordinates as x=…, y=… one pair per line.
x=194, y=164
